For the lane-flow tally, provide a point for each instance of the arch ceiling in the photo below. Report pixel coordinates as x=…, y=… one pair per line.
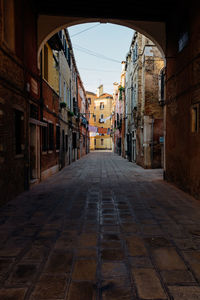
x=144, y=16
x=49, y=25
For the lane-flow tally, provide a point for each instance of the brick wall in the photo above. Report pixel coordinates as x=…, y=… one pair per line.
x=182, y=90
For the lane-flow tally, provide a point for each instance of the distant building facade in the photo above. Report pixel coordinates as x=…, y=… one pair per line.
x=143, y=109
x=118, y=126
x=100, y=120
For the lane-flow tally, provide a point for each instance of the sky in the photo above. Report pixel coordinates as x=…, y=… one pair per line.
x=99, y=50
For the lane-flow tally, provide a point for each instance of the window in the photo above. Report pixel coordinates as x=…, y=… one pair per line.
x=9, y=23
x=135, y=53
x=101, y=105
x=66, y=142
x=89, y=100
x=74, y=140
x=101, y=142
x=95, y=142
x=44, y=138
x=19, y=131
x=162, y=86
x=51, y=136
x=64, y=92
x=57, y=137
x=101, y=119
x=68, y=97
x=45, y=73
x=34, y=112
x=183, y=41
x=194, y=118
x=94, y=118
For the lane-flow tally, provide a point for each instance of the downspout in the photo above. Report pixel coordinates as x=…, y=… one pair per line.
x=41, y=110
x=152, y=141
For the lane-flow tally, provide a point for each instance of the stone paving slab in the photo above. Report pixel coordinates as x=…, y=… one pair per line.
x=101, y=229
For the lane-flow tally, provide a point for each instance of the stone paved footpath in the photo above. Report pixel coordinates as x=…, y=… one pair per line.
x=101, y=229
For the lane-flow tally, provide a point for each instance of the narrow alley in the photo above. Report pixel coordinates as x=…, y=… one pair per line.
x=102, y=228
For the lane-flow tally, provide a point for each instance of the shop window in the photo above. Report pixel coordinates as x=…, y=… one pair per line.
x=51, y=136
x=101, y=142
x=9, y=23
x=19, y=131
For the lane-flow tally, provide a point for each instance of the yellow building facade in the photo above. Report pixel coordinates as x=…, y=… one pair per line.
x=100, y=117
x=50, y=70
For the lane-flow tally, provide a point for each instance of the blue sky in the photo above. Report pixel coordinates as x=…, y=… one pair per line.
x=91, y=42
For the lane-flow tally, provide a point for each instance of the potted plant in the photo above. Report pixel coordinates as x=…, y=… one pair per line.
x=70, y=113
x=62, y=105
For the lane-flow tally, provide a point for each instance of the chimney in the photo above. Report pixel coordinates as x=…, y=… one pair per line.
x=123, y=63
x=115, y=86
x=100, y=90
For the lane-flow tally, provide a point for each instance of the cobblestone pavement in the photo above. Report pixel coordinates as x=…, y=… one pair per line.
x=101, y=229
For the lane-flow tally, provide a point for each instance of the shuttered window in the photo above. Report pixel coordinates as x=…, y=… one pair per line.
x=57, y=137
x=51, y=136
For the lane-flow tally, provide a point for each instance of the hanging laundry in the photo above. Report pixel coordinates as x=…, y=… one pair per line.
x=102, y=130
x=92, y=128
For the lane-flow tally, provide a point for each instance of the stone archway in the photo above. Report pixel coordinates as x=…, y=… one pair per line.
x=49, y=25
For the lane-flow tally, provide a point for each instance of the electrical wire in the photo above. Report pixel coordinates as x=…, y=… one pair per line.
x=85, y=30
x=90, y=52
x=98, y=70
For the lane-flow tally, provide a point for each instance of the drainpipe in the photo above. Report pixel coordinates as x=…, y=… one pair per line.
x=152, y=142
x=41, y=109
